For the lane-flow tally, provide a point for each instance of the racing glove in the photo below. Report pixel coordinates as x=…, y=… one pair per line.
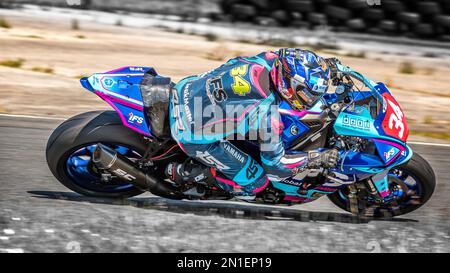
x=331, y=63
x=325, y=159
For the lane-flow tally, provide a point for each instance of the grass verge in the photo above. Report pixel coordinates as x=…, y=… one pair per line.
x=4, y=23
x=47, y=70
x=17, y=63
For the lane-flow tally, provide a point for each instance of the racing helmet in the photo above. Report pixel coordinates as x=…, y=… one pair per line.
x=301, y=77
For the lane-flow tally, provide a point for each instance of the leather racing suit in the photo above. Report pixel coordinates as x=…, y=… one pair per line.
x=235, y=99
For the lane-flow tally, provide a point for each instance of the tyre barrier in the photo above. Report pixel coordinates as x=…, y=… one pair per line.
x=429, y=19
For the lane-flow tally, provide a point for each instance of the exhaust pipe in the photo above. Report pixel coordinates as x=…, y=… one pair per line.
x=109, y=160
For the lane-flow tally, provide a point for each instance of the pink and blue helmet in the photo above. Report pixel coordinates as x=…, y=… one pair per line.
x=301, y=77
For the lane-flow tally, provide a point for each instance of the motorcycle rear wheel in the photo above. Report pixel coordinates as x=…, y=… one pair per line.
x=70, y=147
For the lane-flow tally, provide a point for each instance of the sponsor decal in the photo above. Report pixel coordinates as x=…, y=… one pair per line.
x=252, y=170
x=123, y=84
x=137, y=69
x=292, y=182
x=108, y=82
x=178, y=125
x=187, y=111
x=211, y=160
x=294, y=130
x=215, y=90
x=358, y=123
x=134, y=119
x=234, y=153
x=388, y=154
x=199, y=177
x=124, y=174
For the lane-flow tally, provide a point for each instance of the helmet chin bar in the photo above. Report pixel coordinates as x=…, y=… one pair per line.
x=301, y=81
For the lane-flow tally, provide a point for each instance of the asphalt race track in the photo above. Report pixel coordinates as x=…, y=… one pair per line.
x=38, y=214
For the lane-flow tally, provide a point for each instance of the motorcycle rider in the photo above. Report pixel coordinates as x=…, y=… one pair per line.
x=252, y=87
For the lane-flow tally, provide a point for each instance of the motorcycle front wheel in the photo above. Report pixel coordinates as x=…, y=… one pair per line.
x=412, y=185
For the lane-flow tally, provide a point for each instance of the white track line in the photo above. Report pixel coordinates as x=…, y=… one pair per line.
x=55, y=118
x=429, y=144
x=33, y=117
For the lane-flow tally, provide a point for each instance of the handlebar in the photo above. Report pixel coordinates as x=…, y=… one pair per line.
x=345, y=70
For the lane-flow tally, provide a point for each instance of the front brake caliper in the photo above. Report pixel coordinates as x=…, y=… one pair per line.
x=382, y=187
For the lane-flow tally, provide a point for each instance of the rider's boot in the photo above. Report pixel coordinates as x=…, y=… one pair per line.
x=189, y=172
x=250, y=198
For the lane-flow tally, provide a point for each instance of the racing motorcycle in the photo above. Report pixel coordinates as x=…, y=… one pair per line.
x=119, y=154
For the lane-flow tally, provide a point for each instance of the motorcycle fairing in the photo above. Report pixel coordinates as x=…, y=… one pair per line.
x=293, y=127
x=356, y=123
x=389, y=149
x=120, y=88
x=391, y=121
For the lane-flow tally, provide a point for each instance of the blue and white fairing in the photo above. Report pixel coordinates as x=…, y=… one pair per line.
x=390, y=149
x=120, y=88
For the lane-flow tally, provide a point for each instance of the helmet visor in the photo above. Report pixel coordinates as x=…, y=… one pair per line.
x=302, y=94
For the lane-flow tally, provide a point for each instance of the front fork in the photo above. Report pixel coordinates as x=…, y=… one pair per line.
x=378, y=187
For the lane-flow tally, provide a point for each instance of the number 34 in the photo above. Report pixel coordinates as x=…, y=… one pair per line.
x=396, y=119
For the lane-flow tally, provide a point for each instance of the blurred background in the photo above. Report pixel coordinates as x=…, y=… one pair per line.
x=47, y=45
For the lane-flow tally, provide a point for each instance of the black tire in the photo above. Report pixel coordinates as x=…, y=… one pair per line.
x=300, y=24
x=338, y=13
x=392, y=6
x=317, y=18
x=444, y=38
x=409, y=18
x=443, y=21
x=356, y=4
x=356, y=24
x=226, y=5
x=300, y=5
x=388, y=26
x=78, y=131
x=264, y=5
x=243, y=12
x=419, y=167
x=428, y=8
x=266, y=21
x=374, y=30
x=373, y=14
x=424, y=30
x=281, y=16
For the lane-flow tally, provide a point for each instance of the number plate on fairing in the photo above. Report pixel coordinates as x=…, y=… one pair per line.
x=394, y=122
